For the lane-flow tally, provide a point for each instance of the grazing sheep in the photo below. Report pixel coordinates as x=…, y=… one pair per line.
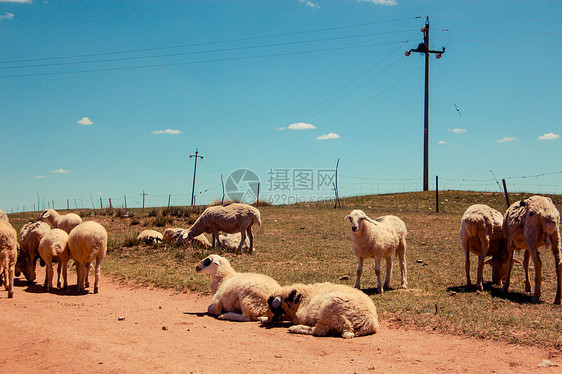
x=171, y=234
x=65, y=222
x=8, y=255
x=54, y=246
x=24, y=265
x=481, y=233
x=30, y=237
x=236, y=296
x=150, y=236
x=324, y=308
x=87, y=242
x=230, y=218
x=4, y=217
x=231, y=241
x=175, y=235
x=531, y=224
x=378, y=239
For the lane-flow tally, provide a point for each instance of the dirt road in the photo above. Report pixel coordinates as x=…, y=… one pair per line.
x=140, y=330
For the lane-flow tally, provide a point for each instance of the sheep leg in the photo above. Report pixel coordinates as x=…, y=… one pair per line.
x=378, y=274
x=301, y=329
x=484, y=245
x=216, y=241
x=65, y=275
x=251, y=236
x=526, y=258
x=388, y=272
x=465, y=245
x=87, y=276
x=10, y=280
x=402, y=258
x=534, y=253
x=231, y=316
x=49, y=275
x=97, y=276
x=555, y=247
x=359, y=272
x=80, y=273
x=510, y=249
x=242, y=240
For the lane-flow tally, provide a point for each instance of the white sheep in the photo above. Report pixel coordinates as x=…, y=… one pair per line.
x=3, y=216
x=150, y=236
x=481, y=233
x=54, y=246
x=171, y=234
x=531, y=224
x=324, y=308
x=230, y=218
x=378, y=239
x=8, y=255
x=87, y=243
x=30, y=236
x=65, y=222
x=231, y=241
x=176, y=235
x=236, y=296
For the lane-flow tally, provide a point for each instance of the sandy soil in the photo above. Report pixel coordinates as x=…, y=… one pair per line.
x=140, y=330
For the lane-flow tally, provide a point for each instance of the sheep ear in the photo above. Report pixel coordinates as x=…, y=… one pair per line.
x=216, y=262
x=370, y=220
x=347, y=217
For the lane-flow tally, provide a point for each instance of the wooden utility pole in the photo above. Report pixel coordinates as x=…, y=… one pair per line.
x=424, y=48
x=194, y=174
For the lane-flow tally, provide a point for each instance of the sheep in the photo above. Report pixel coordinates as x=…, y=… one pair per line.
x=237, y=296
x=54, y=246
x=230, y=218
x=150, y=236
x=230, y=241
x=65, y=221
x=171, y=234
x=30, y=236
x=378, y=239
x=4, y=217
x=531, y=224
x=8, y=255
x=324, y=308
x=87, y=242
x=175, y=235
x=481, y=233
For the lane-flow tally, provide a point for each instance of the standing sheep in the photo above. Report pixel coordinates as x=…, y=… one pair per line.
x=30, y=236
x=531, y=224
x=54, y=246
x=481, y=233
x=87, y=242
x=65, y=222
x=378, y=239
x=236, y=296
x=324, y=308
x=4, y=217
x=230, y=218
x=8, y=255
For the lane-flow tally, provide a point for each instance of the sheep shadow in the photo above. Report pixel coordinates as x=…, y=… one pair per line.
x=37, y=288
x=276, y=325
x=374, y=290
x=497, y=292
x=198, y=314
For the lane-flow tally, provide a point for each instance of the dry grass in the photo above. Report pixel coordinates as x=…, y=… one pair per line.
x=311, y=243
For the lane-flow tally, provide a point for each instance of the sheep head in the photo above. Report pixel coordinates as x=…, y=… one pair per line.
x=284, y=303
x=209, y=265
x=25, y=265
x=357, y=218
x=499, y=266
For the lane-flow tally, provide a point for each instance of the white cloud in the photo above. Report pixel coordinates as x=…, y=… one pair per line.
x=39, y=177
x=549, y=136
x=85, y=121
x=457, y=131
x=301, y=126
x=331, y=135
x=16, y=1
x=310, y=4
x=7, y=16
x=441, y=142
x=380, y=2
x=59, y=171
x=280, y=128
x=506, y=139
x=167, y=131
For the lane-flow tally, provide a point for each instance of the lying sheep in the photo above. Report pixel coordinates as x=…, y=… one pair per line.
x=87, y=242
x=8, y=255
x=481, y=233
x=231, y=241
x=236, y=296
x=531, y=224
x=176, y=235
x=230, y=218
x=30, y=236
x=378, y=239
x=150, y=236
x=324, y=308
x=65, y=222
x=54, y=246
x=4, y=217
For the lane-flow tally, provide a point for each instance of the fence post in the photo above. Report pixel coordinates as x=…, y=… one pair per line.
x=258, y=200
x=101, y=204
x=110, y=205
x=436, y=194
x=506, y=194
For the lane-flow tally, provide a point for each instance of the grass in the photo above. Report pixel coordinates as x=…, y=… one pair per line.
x=311, y=243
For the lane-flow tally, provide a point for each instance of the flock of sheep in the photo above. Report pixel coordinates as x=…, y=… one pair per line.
x=317, y=309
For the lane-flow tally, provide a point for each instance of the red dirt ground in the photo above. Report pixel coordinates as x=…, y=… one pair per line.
x=124, y=329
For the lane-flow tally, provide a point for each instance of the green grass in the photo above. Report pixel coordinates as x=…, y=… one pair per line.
x=312, y=243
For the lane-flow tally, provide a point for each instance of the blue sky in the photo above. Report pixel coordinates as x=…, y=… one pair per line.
x=107, y=99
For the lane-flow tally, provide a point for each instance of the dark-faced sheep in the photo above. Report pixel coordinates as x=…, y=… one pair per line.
x=529, y=225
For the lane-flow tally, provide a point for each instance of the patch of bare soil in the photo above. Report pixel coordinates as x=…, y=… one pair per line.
x=141, y=330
